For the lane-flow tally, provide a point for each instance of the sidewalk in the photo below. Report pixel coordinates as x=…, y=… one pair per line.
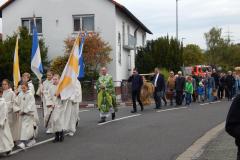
x=221, y=148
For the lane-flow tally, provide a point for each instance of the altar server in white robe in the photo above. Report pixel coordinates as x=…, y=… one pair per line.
x=72, y=110
x=44, y=89
x=26, y=77
x=13, y=112
x=55, y=104
x=26, y=102
x=6, y=140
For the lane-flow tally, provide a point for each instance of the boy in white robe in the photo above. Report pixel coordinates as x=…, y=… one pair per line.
x=55, y=104
x=72, y=110
x=26, y=77
x=6, y=140
x=26, y=102
x=44, y=89
x=9, y=96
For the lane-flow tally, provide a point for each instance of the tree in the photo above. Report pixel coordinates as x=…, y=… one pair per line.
x=96, y=53
x=193, y=55
x=163, y=52
x=7, y=48
x=214, y=40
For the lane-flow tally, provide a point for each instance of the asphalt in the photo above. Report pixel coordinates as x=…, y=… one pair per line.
x=149, y=136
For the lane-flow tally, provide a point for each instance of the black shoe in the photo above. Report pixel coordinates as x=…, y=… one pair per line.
x=157, y=108
x=103, y=119
x=7, y=153
x=56, y=139
x=61, y=136
x=113, y=116
x=142, y=108
x=133, y=111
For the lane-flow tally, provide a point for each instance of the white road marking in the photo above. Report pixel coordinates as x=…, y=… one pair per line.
x=136, y=115
x=83, y=111
x=204, y=104
x=215, y=102
x=37, y=144
x=172, y=109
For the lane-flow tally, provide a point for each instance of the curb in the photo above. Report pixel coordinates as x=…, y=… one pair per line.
x=196, y=150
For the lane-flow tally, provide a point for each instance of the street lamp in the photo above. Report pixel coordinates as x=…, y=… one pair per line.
x=177, y=19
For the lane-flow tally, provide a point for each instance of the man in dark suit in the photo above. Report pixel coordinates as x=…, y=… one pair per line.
x=137, y=82
x=159, y=85
x=180, y=86
x=233, y=122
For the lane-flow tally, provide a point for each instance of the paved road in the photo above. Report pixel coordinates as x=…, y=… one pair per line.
x=150, y=135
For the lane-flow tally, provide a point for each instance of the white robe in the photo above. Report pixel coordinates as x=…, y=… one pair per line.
x=30, y=86
x=13, y=120
x=57, y=117
x=26, y=103
x=72, y=109
x=45, y=94
x=6, y=140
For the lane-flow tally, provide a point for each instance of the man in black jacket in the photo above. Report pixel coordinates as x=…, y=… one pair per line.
x=233, y=122
x=180, y=86
x=159, y=84
x=137, y=82
x=230, y=82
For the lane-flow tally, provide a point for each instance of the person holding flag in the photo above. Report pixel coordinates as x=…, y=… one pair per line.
x=57, y=110
x=69, y=89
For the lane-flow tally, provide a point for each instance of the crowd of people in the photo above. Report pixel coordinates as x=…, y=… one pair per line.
x=207, y=87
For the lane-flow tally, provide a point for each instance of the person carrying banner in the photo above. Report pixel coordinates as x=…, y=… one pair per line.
x=56, y=115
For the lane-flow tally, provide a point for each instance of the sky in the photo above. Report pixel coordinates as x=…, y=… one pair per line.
x=196, y=17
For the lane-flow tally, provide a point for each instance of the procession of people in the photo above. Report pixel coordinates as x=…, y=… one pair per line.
x=19, y=120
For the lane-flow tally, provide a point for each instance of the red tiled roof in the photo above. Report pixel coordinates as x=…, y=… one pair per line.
x=118, y=6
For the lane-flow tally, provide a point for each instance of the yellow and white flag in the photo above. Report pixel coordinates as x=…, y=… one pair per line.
x=16, y=69
x=69, y=78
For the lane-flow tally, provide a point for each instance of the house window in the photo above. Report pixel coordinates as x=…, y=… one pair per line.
x=123, y=32
x=143, y=39
x=83, y=23
x=119, y=48
x=28, y=23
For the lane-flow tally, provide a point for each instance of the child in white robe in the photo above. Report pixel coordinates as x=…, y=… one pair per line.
x=43, y=91
x=9, y=96
x=6, y=140
x=26, y=102
x=55, y=104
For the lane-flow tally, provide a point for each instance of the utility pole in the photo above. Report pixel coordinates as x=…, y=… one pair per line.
x=177, y=19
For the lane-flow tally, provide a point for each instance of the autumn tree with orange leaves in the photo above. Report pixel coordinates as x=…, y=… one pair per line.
x=96, y=53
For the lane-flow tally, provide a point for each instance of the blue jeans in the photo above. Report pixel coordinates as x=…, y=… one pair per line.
x=188, y=98
x=209, y=94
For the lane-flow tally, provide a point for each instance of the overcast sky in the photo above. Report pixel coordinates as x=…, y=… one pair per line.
x=195, y=17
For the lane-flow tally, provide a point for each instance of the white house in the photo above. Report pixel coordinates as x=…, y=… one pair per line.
x=58, y=19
